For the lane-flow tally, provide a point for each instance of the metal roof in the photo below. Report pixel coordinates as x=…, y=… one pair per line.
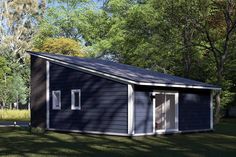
x=127, y=72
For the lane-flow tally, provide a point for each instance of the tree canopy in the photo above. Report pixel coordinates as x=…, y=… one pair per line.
x=194, y=39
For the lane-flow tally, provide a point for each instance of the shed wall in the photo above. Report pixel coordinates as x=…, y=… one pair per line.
x=143, y=109
x=104, y=102
x=194, y=108
x=38, y=92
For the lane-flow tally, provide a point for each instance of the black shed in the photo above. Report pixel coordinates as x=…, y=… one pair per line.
x=104, y=97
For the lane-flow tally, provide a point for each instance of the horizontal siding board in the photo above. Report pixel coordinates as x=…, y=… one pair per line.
x=81, y=118
x=83, y=113
x=143, y=112
x=88, y=123
x=194, y=110
x=86, y=128
x=92, y=109
x=104, y=103
x=91, y=121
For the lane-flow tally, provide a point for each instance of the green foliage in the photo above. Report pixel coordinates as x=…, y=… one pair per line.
x=63, y=46
x=12, y=86
x=18, y=90
x=37, y=130
x=193, y=39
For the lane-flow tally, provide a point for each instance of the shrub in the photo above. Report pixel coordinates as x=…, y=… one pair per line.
x=37, y=130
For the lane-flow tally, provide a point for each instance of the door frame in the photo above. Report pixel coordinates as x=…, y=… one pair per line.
x=176, y=93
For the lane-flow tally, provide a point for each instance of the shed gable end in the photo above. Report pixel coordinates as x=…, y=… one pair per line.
x=104, y=103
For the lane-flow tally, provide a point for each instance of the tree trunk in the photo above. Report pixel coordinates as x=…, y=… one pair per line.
x=217, y=115
x=217, y=108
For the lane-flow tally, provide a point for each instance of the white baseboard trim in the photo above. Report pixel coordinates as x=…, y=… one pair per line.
x=127, y=135
x=144, y=134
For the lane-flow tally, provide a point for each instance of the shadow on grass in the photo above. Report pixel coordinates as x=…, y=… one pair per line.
x=20, y=142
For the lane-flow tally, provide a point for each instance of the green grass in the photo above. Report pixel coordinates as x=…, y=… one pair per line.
x=14, y=115
x=20, y=142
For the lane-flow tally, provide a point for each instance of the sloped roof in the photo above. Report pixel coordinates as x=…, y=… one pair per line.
x=127, y=72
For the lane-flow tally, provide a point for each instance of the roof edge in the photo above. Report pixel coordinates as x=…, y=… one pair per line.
x=117, y=78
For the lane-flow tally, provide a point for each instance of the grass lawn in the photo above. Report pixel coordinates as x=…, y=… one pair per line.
x=20, y=142
x=14, y=115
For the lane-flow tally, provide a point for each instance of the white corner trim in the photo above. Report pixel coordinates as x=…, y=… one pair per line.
x=211, y=110
x=47, y=93
x=90, y=132
x=177, y=110
x=120, y=79
x=130, y=110
x=154, y=112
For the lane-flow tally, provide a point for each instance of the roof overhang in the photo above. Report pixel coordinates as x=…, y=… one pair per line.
x=118, y=78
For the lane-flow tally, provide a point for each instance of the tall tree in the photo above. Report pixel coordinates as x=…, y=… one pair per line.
x=219, y=36
x=192, y=39
x=18, y=23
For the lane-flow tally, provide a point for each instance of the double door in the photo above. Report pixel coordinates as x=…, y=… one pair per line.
x=166, y=111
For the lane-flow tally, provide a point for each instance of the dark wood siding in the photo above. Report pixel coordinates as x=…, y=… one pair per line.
x=143, y=112
x=194, y=106
x=38, y=92
x=194, y=110
x=104, y=102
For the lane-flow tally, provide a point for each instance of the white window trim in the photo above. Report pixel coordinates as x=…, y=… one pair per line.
x=73, y=107
x=54, y=107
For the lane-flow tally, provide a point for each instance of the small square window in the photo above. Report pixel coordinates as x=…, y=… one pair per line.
x=56, y=100
x=76, y=99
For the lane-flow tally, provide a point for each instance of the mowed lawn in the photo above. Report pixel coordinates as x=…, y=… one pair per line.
x=20, y=142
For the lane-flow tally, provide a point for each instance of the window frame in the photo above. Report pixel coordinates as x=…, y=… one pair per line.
x=73, y=107
x=54, y=106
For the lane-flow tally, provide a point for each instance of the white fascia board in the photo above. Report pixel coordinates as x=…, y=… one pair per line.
x=120, y=79
x=175, y=85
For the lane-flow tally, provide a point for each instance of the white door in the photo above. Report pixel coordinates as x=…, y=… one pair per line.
x=166, y=111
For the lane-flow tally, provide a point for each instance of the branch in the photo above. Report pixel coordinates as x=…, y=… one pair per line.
x=230, y=26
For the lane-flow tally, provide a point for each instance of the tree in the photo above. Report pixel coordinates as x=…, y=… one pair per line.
x=220, y=41
x=18, y=24
x=63, y=46
x=18, y=90
x=192, y=39
x=215, y=26
x=4, y=72
x=61, y=20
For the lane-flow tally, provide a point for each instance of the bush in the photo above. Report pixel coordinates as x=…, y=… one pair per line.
x=37, y=130
x=14, y=115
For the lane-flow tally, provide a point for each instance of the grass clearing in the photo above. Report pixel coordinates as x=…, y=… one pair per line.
x=20, y=142
x=14, y=115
